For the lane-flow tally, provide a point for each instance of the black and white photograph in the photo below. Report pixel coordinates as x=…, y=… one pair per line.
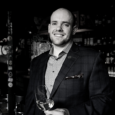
x=57, y=58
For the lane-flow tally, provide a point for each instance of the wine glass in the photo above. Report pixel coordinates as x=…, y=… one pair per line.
x=42, y=95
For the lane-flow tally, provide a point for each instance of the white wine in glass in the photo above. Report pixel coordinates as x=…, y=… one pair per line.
x=42, y=100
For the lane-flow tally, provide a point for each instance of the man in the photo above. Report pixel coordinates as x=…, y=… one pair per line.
x=76, y=77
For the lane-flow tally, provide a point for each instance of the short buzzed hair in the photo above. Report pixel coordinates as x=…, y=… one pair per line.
x=72, y=14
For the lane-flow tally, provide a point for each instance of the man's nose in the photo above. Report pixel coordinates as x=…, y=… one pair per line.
x=59, y=28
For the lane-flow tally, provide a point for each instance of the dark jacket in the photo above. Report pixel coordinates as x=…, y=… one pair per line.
x=82, y=85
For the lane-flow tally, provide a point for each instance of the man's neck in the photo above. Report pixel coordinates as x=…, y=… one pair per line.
x=57, y=49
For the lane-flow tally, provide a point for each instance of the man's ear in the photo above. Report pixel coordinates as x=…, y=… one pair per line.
x=75, y=28
x=48, y=28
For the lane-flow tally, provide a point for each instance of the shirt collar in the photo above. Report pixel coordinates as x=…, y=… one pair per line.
x=66, y=49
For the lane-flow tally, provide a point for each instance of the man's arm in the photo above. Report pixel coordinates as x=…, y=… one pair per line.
x=100, y=93
x=30, y=106
x=29, y=99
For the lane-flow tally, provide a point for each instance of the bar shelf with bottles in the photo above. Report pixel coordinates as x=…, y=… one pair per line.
x=104, y=34
x=101, y=36
x=105, y=45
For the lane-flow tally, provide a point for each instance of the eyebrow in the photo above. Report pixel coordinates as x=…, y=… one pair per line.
x=63, y=22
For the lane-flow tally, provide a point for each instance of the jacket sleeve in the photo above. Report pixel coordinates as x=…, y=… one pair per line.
x=29, y=107
x=100, y=93
x=30, y=104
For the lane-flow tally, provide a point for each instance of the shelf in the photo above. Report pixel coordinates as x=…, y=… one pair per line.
x=77, y=31
x=111, y=64
x=83, y=30
x=101, y=46
x=45, y=32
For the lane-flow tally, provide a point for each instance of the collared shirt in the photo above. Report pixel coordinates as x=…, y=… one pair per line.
x=54, y=65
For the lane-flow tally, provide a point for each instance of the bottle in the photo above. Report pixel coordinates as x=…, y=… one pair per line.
x=89, y=22
x=104, y=20
x=114, y=71
x=103, y=39
x=100, y=23
x=96, y=21
x=85, y=41
x=109, y=72
x=110, y=40
x=0, y=48
x=112, y=9
x=82, y=21
x=98, y=41
x=113, y=40
x=109, y=22
x=107, y=61
x=91, y=41
x=113, y=60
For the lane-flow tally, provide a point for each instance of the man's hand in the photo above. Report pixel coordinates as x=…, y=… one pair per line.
x=57, y=112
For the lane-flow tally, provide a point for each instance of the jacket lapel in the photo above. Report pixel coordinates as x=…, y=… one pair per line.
x=69, y=61
x=41, y=78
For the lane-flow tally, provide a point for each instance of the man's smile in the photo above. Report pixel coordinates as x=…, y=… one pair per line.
x=58, y=34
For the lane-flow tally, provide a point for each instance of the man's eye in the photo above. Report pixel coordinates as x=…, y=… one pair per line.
x=53, y=23
x=67, y=25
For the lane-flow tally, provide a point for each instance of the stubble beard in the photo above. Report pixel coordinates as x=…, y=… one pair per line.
x=59, y=43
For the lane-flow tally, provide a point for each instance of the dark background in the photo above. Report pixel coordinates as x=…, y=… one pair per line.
x=23, y=12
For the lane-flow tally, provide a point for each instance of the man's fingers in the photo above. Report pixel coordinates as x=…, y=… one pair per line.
x=56, y=112
x=48, y=112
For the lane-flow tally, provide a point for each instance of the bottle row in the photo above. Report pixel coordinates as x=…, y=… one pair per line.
x=110, y=60
x=111, y=71
x=94, y=41
x=109, y=56
x=98, y=20
x=104, y=20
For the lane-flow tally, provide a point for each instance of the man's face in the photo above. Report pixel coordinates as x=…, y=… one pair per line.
x=60, y=27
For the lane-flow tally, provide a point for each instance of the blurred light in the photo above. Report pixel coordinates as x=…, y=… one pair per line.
x=29, y=32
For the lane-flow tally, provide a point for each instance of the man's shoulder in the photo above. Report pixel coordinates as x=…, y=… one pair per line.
x=86, y=51
x=41, y=56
